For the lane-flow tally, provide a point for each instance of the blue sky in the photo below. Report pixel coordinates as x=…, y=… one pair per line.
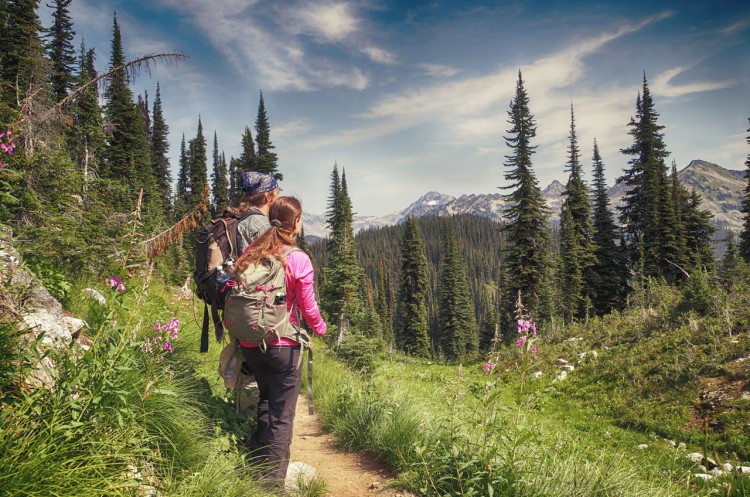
x=410, y=96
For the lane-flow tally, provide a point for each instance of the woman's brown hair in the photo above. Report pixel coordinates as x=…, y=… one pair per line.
x=284, y=212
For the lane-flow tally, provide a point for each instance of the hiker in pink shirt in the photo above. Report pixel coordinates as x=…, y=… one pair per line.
x=275, y=365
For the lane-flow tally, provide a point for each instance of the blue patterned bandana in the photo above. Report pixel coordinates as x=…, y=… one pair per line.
x=254, y=182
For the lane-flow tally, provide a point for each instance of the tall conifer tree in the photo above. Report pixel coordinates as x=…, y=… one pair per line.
x=265, y=159
x=699, y=232
x=577, y=254
x=198, y=161
x=220, y=185
x=384, y=310
x=86, y=139
x=127, y=152
x=459, y=339
x=528, y=234
x=411, y=314
x=160, y=153
x=20, y=56
x=235, y=180
x=247, y=157
x=646, y=202
x=60, y=49
x=609, y=285
x=340, y=290
x=744, y=245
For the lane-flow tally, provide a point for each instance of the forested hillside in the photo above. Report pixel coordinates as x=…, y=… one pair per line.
x=480, y=242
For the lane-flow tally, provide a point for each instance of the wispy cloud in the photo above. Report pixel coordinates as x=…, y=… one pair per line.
x=736, y=27
x=662, y=85
x=439, y=70
x=329, y=21
x=262, y=41
x=379, y=55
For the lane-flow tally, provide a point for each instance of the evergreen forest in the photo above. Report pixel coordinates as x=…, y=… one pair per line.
x=446, y=335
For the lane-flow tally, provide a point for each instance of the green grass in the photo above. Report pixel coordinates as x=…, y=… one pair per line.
x=452, y=433
x=119, y=419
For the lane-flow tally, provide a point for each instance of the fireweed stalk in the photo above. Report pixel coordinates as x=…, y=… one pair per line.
x=519, y=433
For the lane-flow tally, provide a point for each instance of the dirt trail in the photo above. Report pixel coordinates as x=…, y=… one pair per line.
x=346, y=474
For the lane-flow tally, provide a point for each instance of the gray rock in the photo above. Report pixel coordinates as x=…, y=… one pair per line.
x=703, y=476
x=296, y=473
x=74, y=324
x=51, y=323
x=727, y=467
x=561, y=362
x=568, y=368
x=716, y=472
x=743, y=470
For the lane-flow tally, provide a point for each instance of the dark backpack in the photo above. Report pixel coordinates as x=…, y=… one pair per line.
x=215, y=253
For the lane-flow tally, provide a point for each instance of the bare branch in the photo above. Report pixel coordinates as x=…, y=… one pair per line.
x=132, y=69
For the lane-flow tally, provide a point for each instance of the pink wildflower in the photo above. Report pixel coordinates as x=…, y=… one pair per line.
x=487, y=367
x=168, y=347
x=521, y=341
x=116, y=282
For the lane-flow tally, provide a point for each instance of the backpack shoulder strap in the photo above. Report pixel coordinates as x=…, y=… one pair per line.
x=291, y=249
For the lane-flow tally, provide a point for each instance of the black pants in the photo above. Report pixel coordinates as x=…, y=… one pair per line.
x=278, y=382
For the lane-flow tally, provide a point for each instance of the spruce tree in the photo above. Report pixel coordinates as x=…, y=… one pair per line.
x=699, y=232
x=459, y=339
x=678, y=195
x=527, y=232
x=302, y=241
x=60, y=49
x=220, y=186
x=20, y=55
x=333, y=217
x=145, y=114
x=577, y=251
x=609, y=284
x=646, y=205
x=411, y=313
x=127, y=154
x=86, y=140
x=247, y=157
x=340, y=290
x=198, y=166
x=160, y=153
x=384, y=311
x=182, y=192
x=744, y=245
x=265, y=159
x=371, y=324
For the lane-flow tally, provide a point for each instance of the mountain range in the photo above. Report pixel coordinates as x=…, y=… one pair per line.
x=722, y=191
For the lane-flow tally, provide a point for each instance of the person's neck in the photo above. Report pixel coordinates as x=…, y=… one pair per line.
x=265, y=209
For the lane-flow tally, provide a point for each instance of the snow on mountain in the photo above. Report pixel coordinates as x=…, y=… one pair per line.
x=722, y=191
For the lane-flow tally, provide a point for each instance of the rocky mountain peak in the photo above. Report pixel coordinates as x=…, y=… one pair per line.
x=553, y=190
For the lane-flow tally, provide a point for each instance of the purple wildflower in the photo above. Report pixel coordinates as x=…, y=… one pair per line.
x=168, y=347
x=116, y=282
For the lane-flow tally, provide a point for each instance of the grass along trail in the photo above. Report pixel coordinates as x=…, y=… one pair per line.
x=346, y=474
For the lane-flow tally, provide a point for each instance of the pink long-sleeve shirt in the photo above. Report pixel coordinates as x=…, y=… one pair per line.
x=300, y=291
